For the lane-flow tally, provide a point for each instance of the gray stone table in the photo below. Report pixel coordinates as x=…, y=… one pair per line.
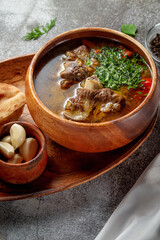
x=81, y=212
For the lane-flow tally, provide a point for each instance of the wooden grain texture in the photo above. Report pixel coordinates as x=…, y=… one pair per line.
x=65, y=168
x=93, y=137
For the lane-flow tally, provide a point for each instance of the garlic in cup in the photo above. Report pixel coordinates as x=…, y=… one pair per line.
x=6, y=139
x=16, y=148
x=18, y=135
x=28, y=149
x=17, y=158
x=6, y=149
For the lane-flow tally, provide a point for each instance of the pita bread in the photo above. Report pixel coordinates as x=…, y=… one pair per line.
x=12, y=102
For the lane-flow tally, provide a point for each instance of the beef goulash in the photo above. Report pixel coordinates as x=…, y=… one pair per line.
x=99, y=80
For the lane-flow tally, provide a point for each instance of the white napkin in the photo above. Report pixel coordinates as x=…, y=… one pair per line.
x=138, y=215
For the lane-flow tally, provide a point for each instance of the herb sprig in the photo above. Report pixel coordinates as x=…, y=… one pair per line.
x=114, y=71
x=39, y=31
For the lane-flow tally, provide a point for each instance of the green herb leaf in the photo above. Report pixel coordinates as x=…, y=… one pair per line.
x=129, y=29
x=39, y=31
x=139, y=93
x=49, y=25
x=34, y=34
x=88, y=62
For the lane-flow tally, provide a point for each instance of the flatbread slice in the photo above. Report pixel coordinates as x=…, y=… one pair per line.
x=12, y=102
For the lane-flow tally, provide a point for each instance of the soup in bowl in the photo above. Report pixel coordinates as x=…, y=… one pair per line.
x=92, y=89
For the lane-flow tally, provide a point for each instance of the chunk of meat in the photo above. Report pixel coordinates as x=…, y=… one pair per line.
x=110, y=107
x=77, y=109
x=81, y=52
x=76, y=115
x=92, y=83
x=75, y=68
x=65, y=84
x=75, y=72
x=86, y=101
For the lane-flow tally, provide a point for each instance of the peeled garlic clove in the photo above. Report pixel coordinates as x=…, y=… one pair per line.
x=17, y=158
x=7, y=139
x=6, y=149
x=18, y=135
x=28, y=149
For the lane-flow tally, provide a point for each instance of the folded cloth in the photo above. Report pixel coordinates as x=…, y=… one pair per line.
x=138, y=215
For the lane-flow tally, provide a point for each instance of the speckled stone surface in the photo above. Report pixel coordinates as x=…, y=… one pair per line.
x=81, y=212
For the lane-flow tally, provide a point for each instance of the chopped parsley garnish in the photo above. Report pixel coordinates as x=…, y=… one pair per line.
x=88, y=62
x=115, y=70
x=139, y=93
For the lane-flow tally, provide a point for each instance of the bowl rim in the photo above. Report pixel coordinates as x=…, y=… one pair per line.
x=146, y=43
x=32, y=126
x=48, y=46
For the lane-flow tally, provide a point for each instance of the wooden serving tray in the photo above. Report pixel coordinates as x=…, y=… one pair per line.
x=65, y=168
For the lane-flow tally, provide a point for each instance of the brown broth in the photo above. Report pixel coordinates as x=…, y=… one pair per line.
x=47, y=81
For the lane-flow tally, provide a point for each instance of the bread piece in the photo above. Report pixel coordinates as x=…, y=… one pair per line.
x=12, y=102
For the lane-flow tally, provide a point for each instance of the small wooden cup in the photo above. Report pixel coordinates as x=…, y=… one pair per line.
x=28, y=171
x=93, y=137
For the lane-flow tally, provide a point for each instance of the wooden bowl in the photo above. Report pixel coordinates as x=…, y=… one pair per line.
x=93, y=137
x=28, y=171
